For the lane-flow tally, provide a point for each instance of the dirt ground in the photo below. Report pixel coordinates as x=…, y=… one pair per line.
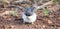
x=42, y=22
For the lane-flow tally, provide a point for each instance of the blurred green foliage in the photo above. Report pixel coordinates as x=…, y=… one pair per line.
x=56, y=0
x=15, y=13
x=45, y=11
x=5, y=1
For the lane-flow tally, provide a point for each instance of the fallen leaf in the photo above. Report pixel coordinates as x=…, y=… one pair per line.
x=50, y=22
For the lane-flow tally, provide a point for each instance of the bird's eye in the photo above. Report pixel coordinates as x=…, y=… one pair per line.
x=28, y=13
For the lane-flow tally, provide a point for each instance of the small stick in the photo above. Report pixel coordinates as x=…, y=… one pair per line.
x=42, y=6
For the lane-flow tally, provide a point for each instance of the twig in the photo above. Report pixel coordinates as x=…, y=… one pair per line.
x=14, y=6
x=20, y=1
x=35, y=5
x=44, y=5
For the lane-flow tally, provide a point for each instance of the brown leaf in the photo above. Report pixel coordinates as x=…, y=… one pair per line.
x=50, y=22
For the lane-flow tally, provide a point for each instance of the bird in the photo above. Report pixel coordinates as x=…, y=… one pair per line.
x=29, y=15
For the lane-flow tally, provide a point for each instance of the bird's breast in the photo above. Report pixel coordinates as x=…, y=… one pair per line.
x=31, y=18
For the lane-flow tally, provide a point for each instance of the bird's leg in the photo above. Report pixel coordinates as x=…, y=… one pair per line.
x=23, y=21
x=32, y=23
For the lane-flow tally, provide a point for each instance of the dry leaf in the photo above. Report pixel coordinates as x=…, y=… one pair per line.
x=50, y=22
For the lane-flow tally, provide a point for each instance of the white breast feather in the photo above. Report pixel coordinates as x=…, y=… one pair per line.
x=29, y=18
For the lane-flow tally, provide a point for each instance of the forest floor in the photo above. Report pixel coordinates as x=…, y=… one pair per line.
x=42, y=21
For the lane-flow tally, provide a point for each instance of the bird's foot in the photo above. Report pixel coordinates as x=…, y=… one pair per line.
x=23, y=21
x=32, y=23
